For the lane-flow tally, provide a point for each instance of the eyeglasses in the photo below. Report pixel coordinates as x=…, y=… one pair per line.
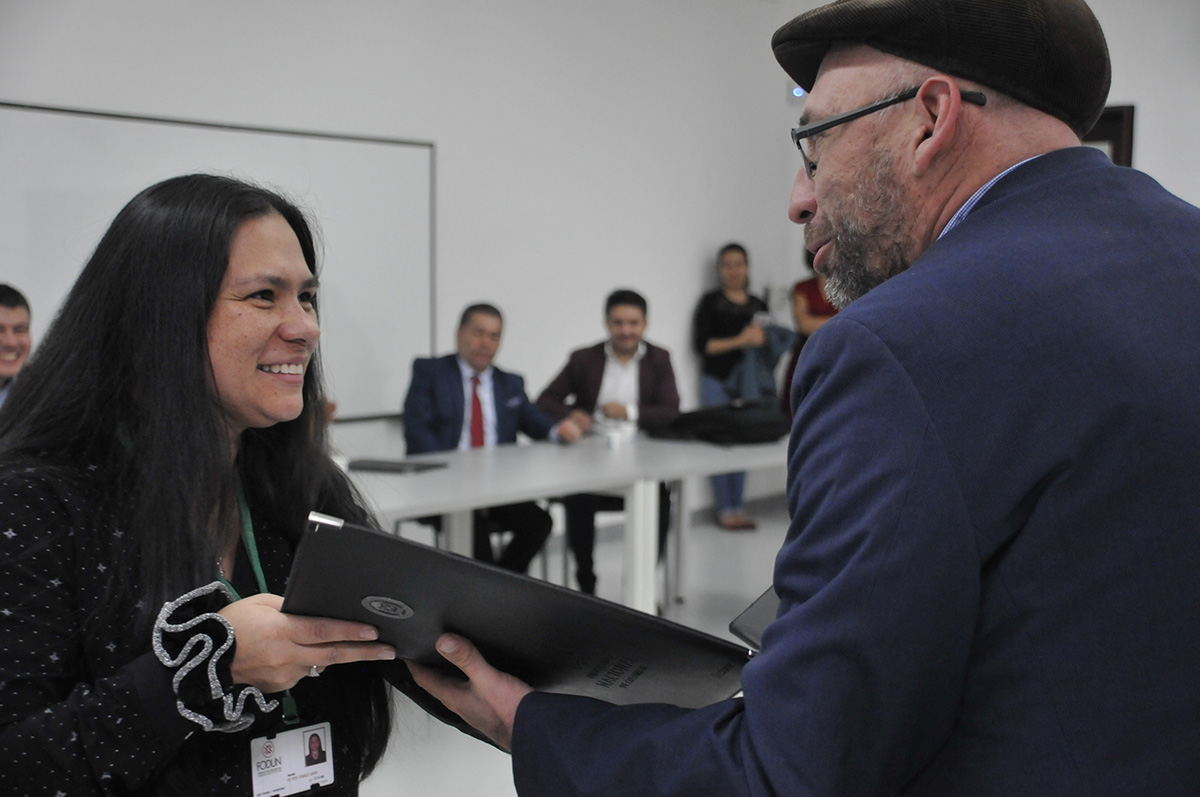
x=799, y=134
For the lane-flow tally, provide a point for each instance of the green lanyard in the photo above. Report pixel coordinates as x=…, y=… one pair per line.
x=249, y=543
x=291, y=714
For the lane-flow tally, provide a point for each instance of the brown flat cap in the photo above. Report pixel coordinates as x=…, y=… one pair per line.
x=1048, y=54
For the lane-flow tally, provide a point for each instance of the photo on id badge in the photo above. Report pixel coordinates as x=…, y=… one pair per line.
x=292, y=762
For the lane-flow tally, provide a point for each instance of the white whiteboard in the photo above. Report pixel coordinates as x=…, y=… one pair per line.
x=64, y=175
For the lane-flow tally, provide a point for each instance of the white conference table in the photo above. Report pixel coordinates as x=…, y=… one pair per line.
x=676, y=460
x=483, y=477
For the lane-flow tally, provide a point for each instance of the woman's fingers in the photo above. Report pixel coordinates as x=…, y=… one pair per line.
x=275, y=650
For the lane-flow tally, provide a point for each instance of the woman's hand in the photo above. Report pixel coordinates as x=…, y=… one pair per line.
x=752, y=336
x=275, y=650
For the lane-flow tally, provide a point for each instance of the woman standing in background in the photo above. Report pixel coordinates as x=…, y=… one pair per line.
x=728, y=322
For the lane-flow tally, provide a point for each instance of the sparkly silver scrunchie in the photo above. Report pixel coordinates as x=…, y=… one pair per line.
x=193, y=641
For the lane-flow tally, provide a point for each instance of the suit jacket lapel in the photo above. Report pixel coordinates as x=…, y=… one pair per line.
x=595, y=376
x=455, y=388
x=506, y=422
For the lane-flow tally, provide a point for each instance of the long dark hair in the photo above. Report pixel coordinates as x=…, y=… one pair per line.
x=121, y=383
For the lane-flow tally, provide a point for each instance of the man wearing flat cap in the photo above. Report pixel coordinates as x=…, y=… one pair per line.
x=989, y=583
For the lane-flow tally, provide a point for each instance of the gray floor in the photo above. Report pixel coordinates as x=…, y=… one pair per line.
x=723, y=572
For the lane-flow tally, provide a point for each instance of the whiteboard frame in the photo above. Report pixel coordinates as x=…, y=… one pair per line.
x=290, y=132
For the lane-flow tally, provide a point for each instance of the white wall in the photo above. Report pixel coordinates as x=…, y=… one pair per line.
x=581, y=145
x=1155, y=51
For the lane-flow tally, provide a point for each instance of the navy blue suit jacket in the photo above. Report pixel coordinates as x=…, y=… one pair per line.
x=434, y=408
x=989, y=586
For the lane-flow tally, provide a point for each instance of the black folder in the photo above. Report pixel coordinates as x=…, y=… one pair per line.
x=393, y=465
x=554, y=639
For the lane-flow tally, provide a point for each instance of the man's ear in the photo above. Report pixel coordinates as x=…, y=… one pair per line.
x=939, y=102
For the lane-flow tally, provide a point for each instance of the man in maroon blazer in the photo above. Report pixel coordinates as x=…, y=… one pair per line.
x=616, y=385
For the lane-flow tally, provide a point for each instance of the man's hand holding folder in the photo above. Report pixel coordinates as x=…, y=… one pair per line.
x=487, y=700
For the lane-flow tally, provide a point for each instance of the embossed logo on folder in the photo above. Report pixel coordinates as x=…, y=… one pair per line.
x=387, y=607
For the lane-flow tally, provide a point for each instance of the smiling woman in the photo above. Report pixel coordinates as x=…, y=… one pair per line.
x=263, y=328
x=159, y=456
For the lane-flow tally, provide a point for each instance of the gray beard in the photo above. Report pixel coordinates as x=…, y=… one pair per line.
x=851, y=283
x=869, y=237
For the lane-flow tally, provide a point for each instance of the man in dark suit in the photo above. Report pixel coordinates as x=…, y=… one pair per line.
x=989, y=582
x=14, y=336
x=463, y=401
x=614, y=386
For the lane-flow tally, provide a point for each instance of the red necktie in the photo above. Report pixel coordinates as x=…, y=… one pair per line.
x=476, y=415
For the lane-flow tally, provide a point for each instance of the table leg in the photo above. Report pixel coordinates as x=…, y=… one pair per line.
x=683, y=528
x=460, y=531
x=641, y=543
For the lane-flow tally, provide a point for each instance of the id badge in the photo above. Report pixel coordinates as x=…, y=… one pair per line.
x=292, y=762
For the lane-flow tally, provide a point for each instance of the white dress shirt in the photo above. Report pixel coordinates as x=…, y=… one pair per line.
x=620, y=386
